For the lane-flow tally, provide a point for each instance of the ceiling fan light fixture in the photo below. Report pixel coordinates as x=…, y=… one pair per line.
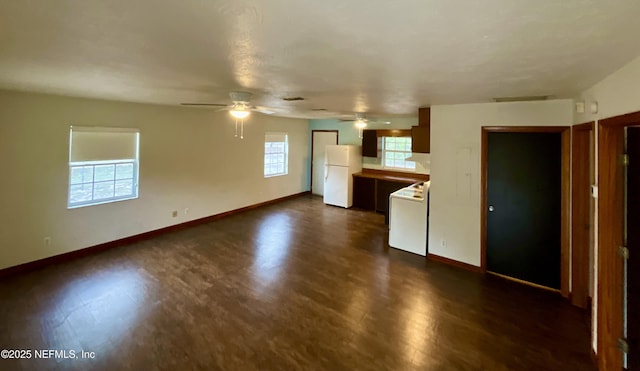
x=239, y=113
x=360, y=124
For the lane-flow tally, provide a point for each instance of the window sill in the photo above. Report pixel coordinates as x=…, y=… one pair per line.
x=110, y=201
x=275, y=175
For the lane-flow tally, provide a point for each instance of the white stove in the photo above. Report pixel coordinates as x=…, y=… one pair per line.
x=408, y=218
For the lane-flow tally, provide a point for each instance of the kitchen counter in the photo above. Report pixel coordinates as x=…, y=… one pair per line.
x=413, y=192
x=393, y=176
x=371, y=188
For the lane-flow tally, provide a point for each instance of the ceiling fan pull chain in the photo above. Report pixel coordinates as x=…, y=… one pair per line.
x=236, y=134
x=241, y=129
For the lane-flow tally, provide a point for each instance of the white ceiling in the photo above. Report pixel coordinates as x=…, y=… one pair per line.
x=380, y=56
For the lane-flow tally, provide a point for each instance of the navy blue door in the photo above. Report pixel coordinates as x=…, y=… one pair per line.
x=524, y=206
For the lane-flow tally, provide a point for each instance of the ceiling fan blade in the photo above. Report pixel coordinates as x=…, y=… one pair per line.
x=378, y=122
x=346, y=120
x=265, y=110
x=204, y=104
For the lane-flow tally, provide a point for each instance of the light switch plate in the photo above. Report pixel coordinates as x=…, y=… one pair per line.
x=594, y=191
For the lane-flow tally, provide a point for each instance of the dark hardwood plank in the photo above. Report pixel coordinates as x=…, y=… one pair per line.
x=295, y=285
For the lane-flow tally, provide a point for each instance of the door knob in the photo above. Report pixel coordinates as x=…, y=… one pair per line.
x=491, y=208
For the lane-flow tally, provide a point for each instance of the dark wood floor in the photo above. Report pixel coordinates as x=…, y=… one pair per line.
x=297, y=285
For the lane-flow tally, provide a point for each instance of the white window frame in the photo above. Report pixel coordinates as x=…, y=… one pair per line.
x=94, y=200
x=408, y=165
x=271, y=157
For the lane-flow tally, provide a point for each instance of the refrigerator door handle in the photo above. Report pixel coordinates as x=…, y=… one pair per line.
x=326, y=172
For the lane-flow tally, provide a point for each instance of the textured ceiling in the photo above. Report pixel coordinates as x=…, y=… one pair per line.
x=380, y=56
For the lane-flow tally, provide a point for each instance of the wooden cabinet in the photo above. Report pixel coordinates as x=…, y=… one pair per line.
x=421, y=134
x=364, y=193
x=385, y=188
x=369, y=143
x=420, y=141
x=424, y=116
x=371, y=188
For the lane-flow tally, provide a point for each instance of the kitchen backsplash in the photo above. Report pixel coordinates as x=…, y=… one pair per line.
x=423, y=163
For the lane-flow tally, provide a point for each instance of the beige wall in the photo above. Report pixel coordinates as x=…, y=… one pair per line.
x=454, y=211
x=617, y=94
x=188, y=159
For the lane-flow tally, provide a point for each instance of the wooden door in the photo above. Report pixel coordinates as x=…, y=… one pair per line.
x=633, y=244
x=581, y=214
x=524, y=206
x=320, y=139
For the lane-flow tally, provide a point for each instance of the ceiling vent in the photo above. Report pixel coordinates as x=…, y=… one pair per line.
x=318, y=109
x=291, y=99
x=521, y=99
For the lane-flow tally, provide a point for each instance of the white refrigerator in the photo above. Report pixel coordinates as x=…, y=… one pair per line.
x=341, y=161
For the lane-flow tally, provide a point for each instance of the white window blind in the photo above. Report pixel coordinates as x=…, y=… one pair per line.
x=103, y=165
x=275, y=137
x=96, y=144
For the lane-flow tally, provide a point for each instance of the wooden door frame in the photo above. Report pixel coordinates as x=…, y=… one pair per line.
x=610, y=237
x=581, y=227
x=311, y=157
x=565, y=149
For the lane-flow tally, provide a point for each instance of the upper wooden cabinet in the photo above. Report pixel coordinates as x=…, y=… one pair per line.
x=421, y=134
x=369, y=143
x=420, y=139
x=424, y=116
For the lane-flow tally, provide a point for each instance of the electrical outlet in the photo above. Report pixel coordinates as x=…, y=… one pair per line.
x=47, y=241
x=174, y=213
x=186, y=211
x=443, y=242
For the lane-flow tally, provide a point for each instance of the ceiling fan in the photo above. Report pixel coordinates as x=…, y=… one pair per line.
x=361, y=121
x=240, y=108
x=361, y=117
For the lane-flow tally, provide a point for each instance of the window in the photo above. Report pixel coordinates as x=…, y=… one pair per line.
x=395, y=151
x=103, y=165
x=276, y=153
